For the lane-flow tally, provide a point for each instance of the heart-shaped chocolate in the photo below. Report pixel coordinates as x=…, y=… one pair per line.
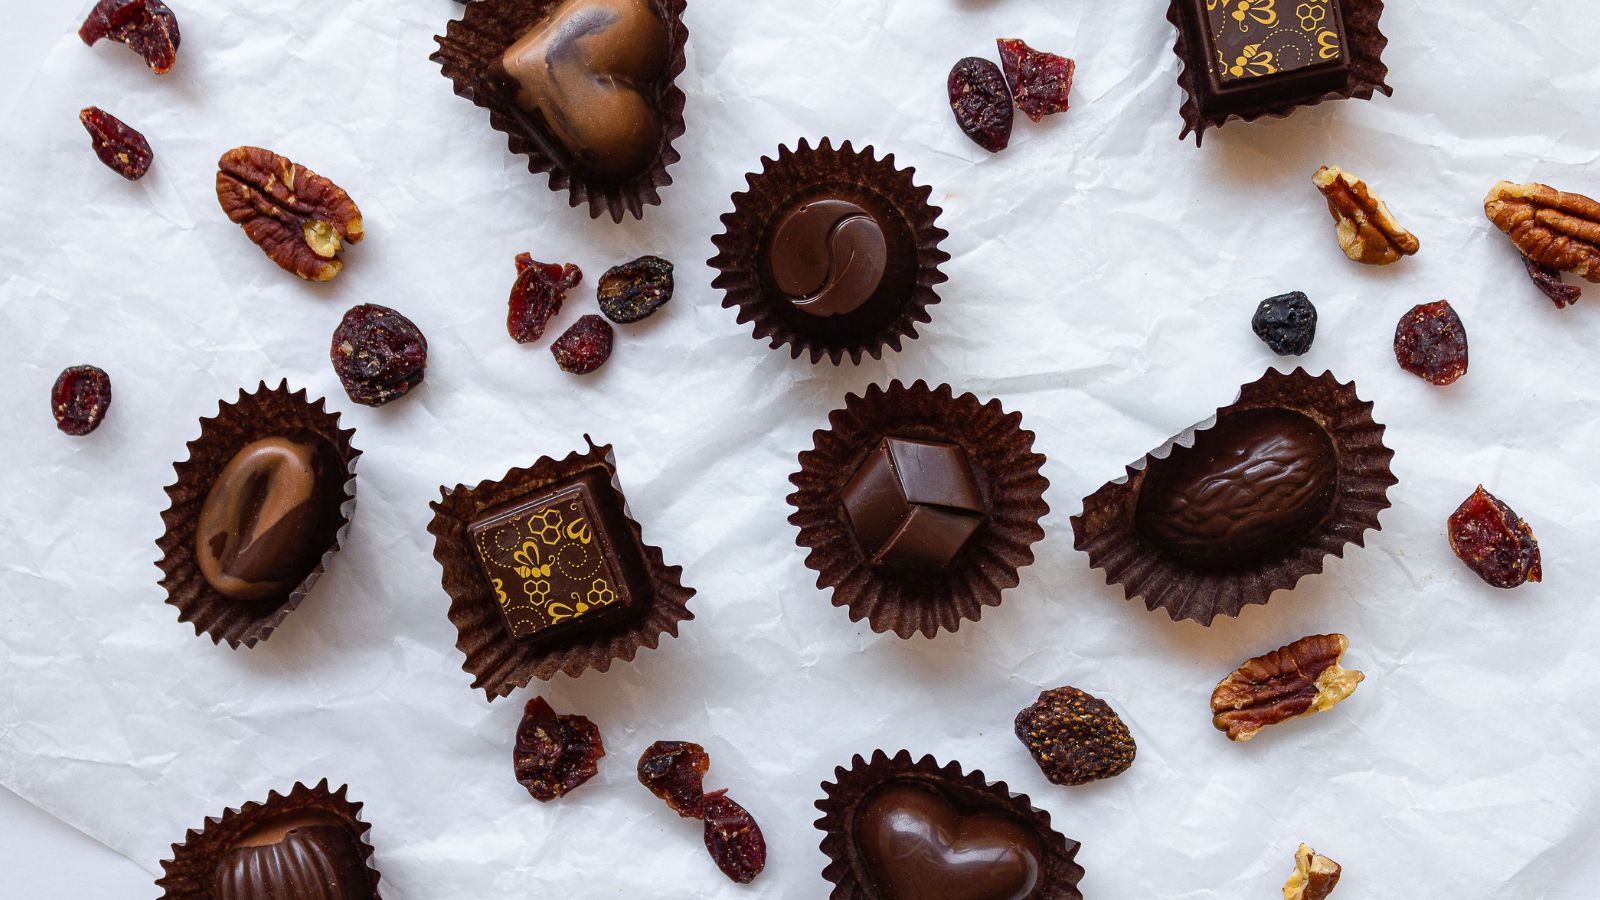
x=590, y=70
x=918, y=845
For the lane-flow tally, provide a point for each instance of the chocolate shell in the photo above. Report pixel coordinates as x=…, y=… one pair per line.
x=309, y=843
x=831, y=251
x=1009, y=487
x=470, y=55
x=1245, y=503
x=910, y=830
x=258, y=594
x=503, y=607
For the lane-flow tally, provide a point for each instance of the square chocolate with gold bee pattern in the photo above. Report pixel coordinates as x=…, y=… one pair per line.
x=555, y=561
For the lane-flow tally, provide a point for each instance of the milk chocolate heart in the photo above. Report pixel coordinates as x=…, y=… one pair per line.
x=917, y=845
x=591, y=72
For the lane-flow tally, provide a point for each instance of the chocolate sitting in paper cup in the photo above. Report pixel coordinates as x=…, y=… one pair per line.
x=269, y=516
x=587, y=72
x=1249, y=59
x=829, y=256
x=914, y=503
x=314, y=858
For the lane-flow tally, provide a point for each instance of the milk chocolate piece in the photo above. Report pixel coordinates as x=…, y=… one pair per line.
x=1254, y=485
x=590, y=73
x=269, y=516
x=305, y=858
x=918, y=845
x=560, y=560
x=828, y=255
x=914, y=503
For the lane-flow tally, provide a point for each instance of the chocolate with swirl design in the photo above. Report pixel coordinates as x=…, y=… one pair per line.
x=828, y=256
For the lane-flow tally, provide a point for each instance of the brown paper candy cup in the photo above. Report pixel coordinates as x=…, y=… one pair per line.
x=851, y=879
x=498, y=662
x=192, y=871
x=1009, y=480
x=473, y=44
x=263, y=413
x=795, y=176
x=1106, y=529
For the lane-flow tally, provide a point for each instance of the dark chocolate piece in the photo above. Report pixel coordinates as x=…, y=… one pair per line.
x=918, y=845
x=589, y=73
x=301, y=859
x=828, y=255
x=914, y=503
x=1249, y=58
x=269, y=516
x=1251, y=486
x=560, y=560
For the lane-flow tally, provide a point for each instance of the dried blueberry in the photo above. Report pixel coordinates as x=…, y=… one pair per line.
x=1287, y=323
x=635, y=290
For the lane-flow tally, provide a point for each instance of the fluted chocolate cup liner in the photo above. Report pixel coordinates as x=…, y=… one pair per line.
x=265, y=412
x=473, y=44
x=191, y=873
x=1108, y=532
x=1008, y=480
x=906, y=291
x=969, y=792
x=499, y=662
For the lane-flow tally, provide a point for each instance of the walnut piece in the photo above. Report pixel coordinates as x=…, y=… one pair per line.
x=1550, y=227
x=297, y=217
x=1367, y=231
x=1315, y=876
x=1297, y=680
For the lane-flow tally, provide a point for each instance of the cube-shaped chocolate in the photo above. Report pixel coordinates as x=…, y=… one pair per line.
x=560, y=560
x=913, y=504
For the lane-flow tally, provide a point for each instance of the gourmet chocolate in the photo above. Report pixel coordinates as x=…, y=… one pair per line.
x=1255, y=483
x=920, y=846
x=268, y=516
x=1246, y=59
x=547, y=572
x=902, y=829
x=828, y=256
x=1244, y=504
x=832, y=252
x=305, y=858
x=588, y=72
x=560, y=560
x=914, y=503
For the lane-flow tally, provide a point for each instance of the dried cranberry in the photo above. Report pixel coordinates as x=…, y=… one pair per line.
x=80, y=398
x=1548, y=279
x=378, y=354
x=1431, y=343
x=1494, y=542
x=635, y=290
x=122, y=149
x=1040, y=82
x=537, y=296
x=1287, y=323
x=584, y=347
x=675, y=772
x=555, y=754
x=148, y=27
x=981, y=102
x=734, y=839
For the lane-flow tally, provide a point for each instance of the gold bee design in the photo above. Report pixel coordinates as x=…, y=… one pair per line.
x=530, y=566
x=1253, y=61
x=1261, y=11
x=1328, y=45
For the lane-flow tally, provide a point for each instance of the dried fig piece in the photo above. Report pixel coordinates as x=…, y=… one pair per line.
x=79, y=399
x=1315, y=876
x=675, y=772
x=1431, y=343
x=147, y=27
x=1367, y=231
x=1548, y=280
x=297, y=217
x=1075, y=737
x=555, y=754
x=981, y=102
x=537, y=296
x=1296, y=680
x=121, y=148
x=1494, y=542
x=1552, y=228
x=1040, y=82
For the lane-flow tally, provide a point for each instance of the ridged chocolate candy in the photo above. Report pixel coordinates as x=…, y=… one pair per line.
x=308, y=860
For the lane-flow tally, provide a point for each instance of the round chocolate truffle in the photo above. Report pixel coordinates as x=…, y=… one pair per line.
x=828, y=256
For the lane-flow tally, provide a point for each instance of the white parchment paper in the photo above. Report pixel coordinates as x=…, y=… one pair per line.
x=1102, y=282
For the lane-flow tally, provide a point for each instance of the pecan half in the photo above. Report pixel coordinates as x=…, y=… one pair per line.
x=297, y=217
x=1297, y=680
x=1315, y=876
x=1367, y=231
x=1552, y=228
